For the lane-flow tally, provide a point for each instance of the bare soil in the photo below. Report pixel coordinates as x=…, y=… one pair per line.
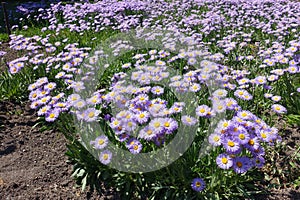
x=33, y=164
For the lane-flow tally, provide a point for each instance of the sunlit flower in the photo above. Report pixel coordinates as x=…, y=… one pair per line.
x=224, y=161
x=278, y=108
x=105, y=157
x=100, y=142
x=198, y=184
x=52, y=115
x=188, y=120
x=241, y=164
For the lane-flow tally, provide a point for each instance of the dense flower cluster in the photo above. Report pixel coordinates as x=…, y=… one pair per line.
x=254, y=43
x=242, y=135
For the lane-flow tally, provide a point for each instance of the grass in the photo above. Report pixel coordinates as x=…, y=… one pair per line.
x=4, y=37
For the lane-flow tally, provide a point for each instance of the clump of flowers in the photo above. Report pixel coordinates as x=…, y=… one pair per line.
x=241, y=66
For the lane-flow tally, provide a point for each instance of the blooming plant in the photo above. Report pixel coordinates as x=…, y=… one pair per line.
x=177, y=106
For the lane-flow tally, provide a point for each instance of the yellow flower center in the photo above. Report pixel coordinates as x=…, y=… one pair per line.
x=91, y=114
x=244, y=114
x=44, y=100
x=100, y=142
x=224, y=160
x=105, y=157
x=216, y=138
x=149, y=132
x=230, y=143
x=156, y=124
x=242, y=136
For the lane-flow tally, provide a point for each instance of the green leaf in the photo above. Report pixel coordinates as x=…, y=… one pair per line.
x=84, y=181
x=81, y=172
x=75, y=172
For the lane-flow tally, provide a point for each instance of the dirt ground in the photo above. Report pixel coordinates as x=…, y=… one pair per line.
x=33, y=164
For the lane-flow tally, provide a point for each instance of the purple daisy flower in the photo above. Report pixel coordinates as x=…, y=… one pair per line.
x=41, y=81
x=231, y=145
x=264, y=135
x=100, y=142
x=278, y=108
x=157, y=90
x=78, y=104
x=276, y=98
x=202, y=110
x=231, y=103
x=258, y=161
x=215, y=139
x=242, y=137
x=73, y=98
x=105, y=157
x=44, y=110
x=147, y=133
x=123, y=137
x=129, y=125
x=91, y=114
x=241, y=164
x=224, y=161
x=52, y=115
x=170, y=125
x=198, y=184
x=258, y=152
x=95, y=99
x=245, y=114
x=50, y=86
x=42, y=92
x=195, y=87
x=63, y=107
x=44, y=100
x=188, y=120
x=134, y=146
x=14, y=69
x=34, y=95
x=142, y=117
x=252, y=144
x=157, y=125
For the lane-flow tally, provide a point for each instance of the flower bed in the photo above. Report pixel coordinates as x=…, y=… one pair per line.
x=158, y=105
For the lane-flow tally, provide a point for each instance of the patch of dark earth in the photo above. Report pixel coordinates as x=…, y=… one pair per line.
x=33, y=165
x=9, y=56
